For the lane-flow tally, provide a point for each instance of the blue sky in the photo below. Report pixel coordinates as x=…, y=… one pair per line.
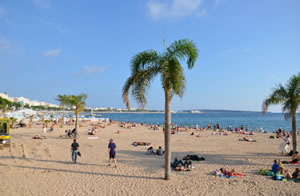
x=51, y=47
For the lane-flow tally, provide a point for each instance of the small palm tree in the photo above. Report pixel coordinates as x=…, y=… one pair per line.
x=146, y=65
x=63, y=100
x=4, y=108
x=13, y=121
x=289, y=96
x=79, y=103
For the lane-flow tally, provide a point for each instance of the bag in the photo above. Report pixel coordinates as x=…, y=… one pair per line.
x=270, y=173
x=79, y=154
x=279, y=177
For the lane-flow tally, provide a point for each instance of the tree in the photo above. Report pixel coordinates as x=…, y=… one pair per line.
x=289, y=97
x=4, y=107
x=146, y=65
x=12, y=122
x=63, y=100
x=79, y=103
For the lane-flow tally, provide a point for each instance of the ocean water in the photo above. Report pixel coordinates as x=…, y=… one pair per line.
x=254, y=120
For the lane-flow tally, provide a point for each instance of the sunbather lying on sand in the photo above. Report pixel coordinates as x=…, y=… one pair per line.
x=247, y=140
x=295, y=157
x=227, y=172
x=141, y=143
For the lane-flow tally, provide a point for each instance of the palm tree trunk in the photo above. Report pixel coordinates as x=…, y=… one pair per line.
x=76, y=121
x=294, y=131
x=167, y=134
x=63, y=118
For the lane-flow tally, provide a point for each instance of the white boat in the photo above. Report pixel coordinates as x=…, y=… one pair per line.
x=196, y=112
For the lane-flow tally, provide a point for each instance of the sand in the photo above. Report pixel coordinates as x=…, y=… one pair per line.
x=44, y=167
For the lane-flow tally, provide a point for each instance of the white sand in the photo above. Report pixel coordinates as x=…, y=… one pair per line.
x=44, y=167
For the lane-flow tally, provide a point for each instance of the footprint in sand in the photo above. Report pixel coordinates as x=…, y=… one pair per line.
x=47, y=152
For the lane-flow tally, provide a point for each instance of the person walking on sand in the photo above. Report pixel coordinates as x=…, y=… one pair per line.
x=112, y=152
x=44, y=130
x=74, y=150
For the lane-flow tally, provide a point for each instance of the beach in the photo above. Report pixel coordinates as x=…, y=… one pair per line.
x=44, y=166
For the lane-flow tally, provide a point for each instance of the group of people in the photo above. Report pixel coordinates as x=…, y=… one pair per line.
x=159, y=151
x=179, y=165
x=278, y=168
x=111, y=151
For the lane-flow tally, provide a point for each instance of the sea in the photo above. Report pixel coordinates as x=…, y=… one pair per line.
x=255, y=120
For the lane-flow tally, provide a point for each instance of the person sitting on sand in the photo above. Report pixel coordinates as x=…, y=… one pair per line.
x=276, y=167
x=160, y=151
x=287, y=174
x=188, y=163
x=178, y=165
x=296, y=173
x=295, y=157
x=150, y=150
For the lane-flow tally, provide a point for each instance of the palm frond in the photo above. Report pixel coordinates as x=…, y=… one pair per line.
x=142, y=60
x=139, y=83
x=278, y=96
x=177, y=79
x=184, y=49
x=144, y=66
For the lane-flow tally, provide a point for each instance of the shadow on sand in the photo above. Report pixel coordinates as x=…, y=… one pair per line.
x=81, y=172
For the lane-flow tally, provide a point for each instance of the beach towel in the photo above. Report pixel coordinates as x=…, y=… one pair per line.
x=92, y=137
x=290, y=162
x=295, y=163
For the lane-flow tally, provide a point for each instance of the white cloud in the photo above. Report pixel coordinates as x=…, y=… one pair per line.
x=91, y=70
x=172, y=8
x=51, y=52
x=42, y=3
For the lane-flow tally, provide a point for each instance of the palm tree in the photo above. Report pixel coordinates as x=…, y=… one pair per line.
x=289, y=97
x=79, y=103
x=4, y=108
x=146, y=65
x=63, y=100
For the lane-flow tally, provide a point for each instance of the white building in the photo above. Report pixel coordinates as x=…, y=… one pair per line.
x=25, y=101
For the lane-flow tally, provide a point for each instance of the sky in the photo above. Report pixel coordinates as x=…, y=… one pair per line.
x=52, y=47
